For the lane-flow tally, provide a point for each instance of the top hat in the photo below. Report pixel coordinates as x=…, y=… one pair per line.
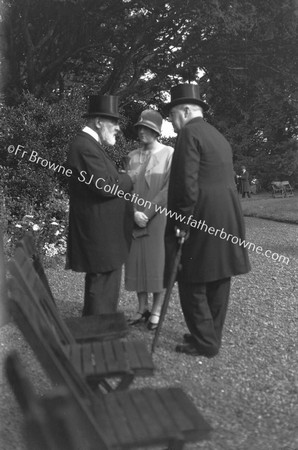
x=186, y=93
x=103, y=105
x=150, y=119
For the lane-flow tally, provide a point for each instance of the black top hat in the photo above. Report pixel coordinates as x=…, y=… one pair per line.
x=103, y=105
x=186, y=93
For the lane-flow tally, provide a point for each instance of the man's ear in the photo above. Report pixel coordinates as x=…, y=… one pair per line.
x=97, y=123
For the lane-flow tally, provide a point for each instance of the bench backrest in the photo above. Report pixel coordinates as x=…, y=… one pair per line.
x=27, y=243
x=22, y=268
x=52, y=422
x=52, y=357
x=32, y=322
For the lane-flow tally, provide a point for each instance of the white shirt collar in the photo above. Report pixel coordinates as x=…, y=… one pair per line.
x=92, y=133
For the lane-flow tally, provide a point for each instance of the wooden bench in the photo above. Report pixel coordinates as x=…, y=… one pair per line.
x=287, y=189
x=83, y=329
x=51, y=422
x=282, y=189
x=108, y=364
x=277, y=189
x=123, y=419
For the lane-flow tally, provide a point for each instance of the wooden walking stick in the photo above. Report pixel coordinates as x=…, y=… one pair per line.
x=168, y=293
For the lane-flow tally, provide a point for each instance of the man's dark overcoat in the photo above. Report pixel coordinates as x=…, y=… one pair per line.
x=100, y=223
x=202, y=185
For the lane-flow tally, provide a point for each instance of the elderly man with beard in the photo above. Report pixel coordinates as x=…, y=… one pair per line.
x=100, y=221
x=203, y=192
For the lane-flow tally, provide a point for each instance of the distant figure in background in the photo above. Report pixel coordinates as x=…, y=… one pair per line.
x=245, y=186
x=150, y=164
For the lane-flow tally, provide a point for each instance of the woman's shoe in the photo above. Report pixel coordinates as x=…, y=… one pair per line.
x=142, y=317
x=153, y=325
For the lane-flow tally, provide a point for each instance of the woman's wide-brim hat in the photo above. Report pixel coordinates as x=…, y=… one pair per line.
x=150, y=119
x=185, y=94
x=103, y=105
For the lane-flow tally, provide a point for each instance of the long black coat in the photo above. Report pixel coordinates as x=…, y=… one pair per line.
x=100, y=222
x=202, y=188
x=245, y=186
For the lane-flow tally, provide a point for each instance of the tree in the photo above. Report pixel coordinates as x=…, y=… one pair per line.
x=243, y=53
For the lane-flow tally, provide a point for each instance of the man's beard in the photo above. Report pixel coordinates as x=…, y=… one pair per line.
x=108, y=138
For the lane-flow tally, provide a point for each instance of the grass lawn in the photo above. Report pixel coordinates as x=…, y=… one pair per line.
x=249, y=392
x=265, y=206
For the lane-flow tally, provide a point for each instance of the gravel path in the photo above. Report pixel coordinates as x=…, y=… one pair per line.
x=248, y=392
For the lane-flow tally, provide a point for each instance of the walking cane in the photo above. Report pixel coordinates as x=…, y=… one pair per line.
x=168, y=293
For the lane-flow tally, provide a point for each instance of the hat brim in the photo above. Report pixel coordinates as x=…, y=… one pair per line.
x=185, y=100
x=99, y=114
x=143, y=123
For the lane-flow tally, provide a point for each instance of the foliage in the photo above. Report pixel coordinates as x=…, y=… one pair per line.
x=48, y=226
x=34, y=129
x=278, y=164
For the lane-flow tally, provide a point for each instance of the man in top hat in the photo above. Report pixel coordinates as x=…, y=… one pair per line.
x=202, y=191
x=100, y=220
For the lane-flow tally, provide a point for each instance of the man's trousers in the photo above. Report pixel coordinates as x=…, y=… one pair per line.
x=101, y=292
x=204, y=306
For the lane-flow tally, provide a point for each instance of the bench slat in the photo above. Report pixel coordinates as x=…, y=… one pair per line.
x=120, y=355
x=87, y=359
x=156, y=401
x=142, y=429
x=196, y=427
x=110, y=407
x=100, y=362
x=153, y=422
x=133, y=356
x=177, y=414
x=110, y=360
x=144, y=358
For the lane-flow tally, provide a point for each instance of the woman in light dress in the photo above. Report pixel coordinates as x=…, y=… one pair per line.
x=150, y=165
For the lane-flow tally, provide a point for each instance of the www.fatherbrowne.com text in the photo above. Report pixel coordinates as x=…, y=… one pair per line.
x=100, y=184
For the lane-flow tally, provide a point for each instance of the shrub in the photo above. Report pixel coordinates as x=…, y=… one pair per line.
x=49, y=226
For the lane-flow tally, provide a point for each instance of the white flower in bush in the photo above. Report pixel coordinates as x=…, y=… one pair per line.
x=18, y=225
x=50, y=250
x=35, y=227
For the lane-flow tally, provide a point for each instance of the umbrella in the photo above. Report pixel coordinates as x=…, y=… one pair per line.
x=168, y=293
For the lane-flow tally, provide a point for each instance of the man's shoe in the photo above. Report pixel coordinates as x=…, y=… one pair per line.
x=188, y=338
x=189, y=349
